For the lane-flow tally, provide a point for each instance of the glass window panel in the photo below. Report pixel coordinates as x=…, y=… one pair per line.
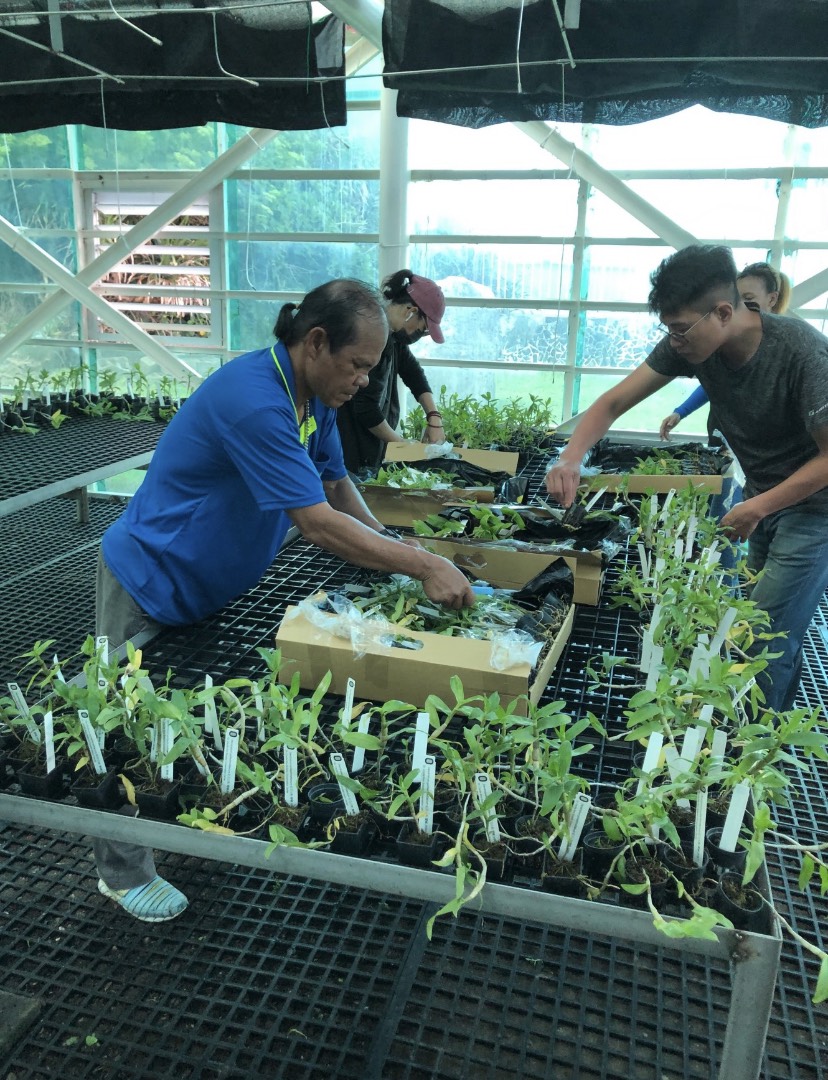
x=503, y=271
x=618, y=339
x=37, y=204
x=366, y=84
x=693, y=138
x=503, y=146
x=354, y=146
x=618, y=273
x=807, y=211
x=176, y=148
x=524, y=207
x=509, y=335
x=707, y=208
x=290, y=206
x=503, y=384
x=45, y=149
x=648, y=414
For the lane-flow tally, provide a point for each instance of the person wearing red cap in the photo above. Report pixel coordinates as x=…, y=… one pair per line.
x=414, y=308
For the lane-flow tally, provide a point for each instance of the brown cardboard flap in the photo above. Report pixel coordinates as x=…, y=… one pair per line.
x=394, y=507
x=493, y=460
x=508, y=569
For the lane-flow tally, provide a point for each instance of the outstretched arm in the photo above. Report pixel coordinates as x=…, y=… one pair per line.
x=564, y=476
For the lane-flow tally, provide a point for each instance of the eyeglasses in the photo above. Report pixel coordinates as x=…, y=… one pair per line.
x=680, y=336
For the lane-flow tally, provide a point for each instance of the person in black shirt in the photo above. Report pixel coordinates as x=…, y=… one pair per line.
x=415, y=306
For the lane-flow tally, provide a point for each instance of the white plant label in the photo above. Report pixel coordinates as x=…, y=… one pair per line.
x=675, y=769
x=594, y=499
x=425, y=821
x=735, y=816
x=259, y=704
x=340, y=770
x=691, y=536
x=347, y=708
x=483, y=787
x=701, y=827
x=717, y=755
x=228, y=761
x=693, y=740
x=359, y=751
x=49, y=739
x=58, y=672
x=95, y=755
x=420, y=744
x=291, y=759
x=102, y=652
x=575, y=825
x=699, y=663
x=654, y=670
x=165, y=744
x=654, y=620
x=646, y=649
x=651, y=757
x=210, y=718
x=200, y=763
x=154, y=748
x=23, y=711
x=678, y=549
x=727, y=620
x=645, y=562
x=667, y=501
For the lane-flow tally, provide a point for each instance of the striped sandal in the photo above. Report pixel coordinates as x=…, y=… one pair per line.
x=157, y=901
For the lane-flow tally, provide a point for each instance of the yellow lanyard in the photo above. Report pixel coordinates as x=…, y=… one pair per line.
x=306, y=426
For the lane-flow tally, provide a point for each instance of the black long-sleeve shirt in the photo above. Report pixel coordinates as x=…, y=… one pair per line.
x=376, y=402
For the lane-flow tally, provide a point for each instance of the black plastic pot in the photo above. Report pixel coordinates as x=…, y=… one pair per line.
x=680, y=864
x=725, y=860
x=324, y=801
x=496, y=855
x=742, y=904
x=563, y=878
x=357, y=841
x=415, y=848
x=598, y=854
x=43, y=785
x=528, y=850
x=658, y=888
x=163, y=805
x=97, y=792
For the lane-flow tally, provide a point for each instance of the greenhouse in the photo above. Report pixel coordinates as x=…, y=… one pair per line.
x=413, y=548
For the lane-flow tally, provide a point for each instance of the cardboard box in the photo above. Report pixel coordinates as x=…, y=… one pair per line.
x=392, y=506
x=639, y=483
x=509, y=569
x=493, y=460
x=384, y=673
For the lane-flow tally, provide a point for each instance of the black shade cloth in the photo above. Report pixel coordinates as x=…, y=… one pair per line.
x=655, y=59
x=188, y=87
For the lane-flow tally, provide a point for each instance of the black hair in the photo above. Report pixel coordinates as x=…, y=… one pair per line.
x=395, y=287
x=774, y=281
x=338, y=307
x=696, y=277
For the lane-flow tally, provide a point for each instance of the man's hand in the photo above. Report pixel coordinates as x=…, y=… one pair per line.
x=562, y=481
x=739, y=523
x=667, y=425
x=446, y=585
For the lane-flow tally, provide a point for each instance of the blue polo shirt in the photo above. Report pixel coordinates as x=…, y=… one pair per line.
x=210, y=515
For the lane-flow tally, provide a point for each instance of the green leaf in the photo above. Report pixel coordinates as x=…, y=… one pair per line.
x=821, y=993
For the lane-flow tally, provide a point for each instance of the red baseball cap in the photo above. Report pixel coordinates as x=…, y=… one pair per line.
x=429, y=298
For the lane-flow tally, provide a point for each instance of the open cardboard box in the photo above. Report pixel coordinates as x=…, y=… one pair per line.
x=384, y=673
x=493, y=460
x=509, y=569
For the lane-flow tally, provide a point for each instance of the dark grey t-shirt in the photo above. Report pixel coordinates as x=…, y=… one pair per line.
x=767, y=409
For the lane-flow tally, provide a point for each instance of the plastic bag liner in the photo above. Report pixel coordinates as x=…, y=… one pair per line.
x=512, y=647
x=436, y=450
x=337, y=615
x=696, y=459
x=556, y=578
x=507, y=488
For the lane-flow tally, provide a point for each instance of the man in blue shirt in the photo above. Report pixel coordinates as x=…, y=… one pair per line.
x=254, y=449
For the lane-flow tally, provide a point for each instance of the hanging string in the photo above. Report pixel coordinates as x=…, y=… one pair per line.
x=222, y=69
x=132, y=25
x=517, y=47
x=11, y=180
x=106, y=130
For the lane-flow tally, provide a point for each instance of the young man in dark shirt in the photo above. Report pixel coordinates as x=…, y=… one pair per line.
x=767, y=377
